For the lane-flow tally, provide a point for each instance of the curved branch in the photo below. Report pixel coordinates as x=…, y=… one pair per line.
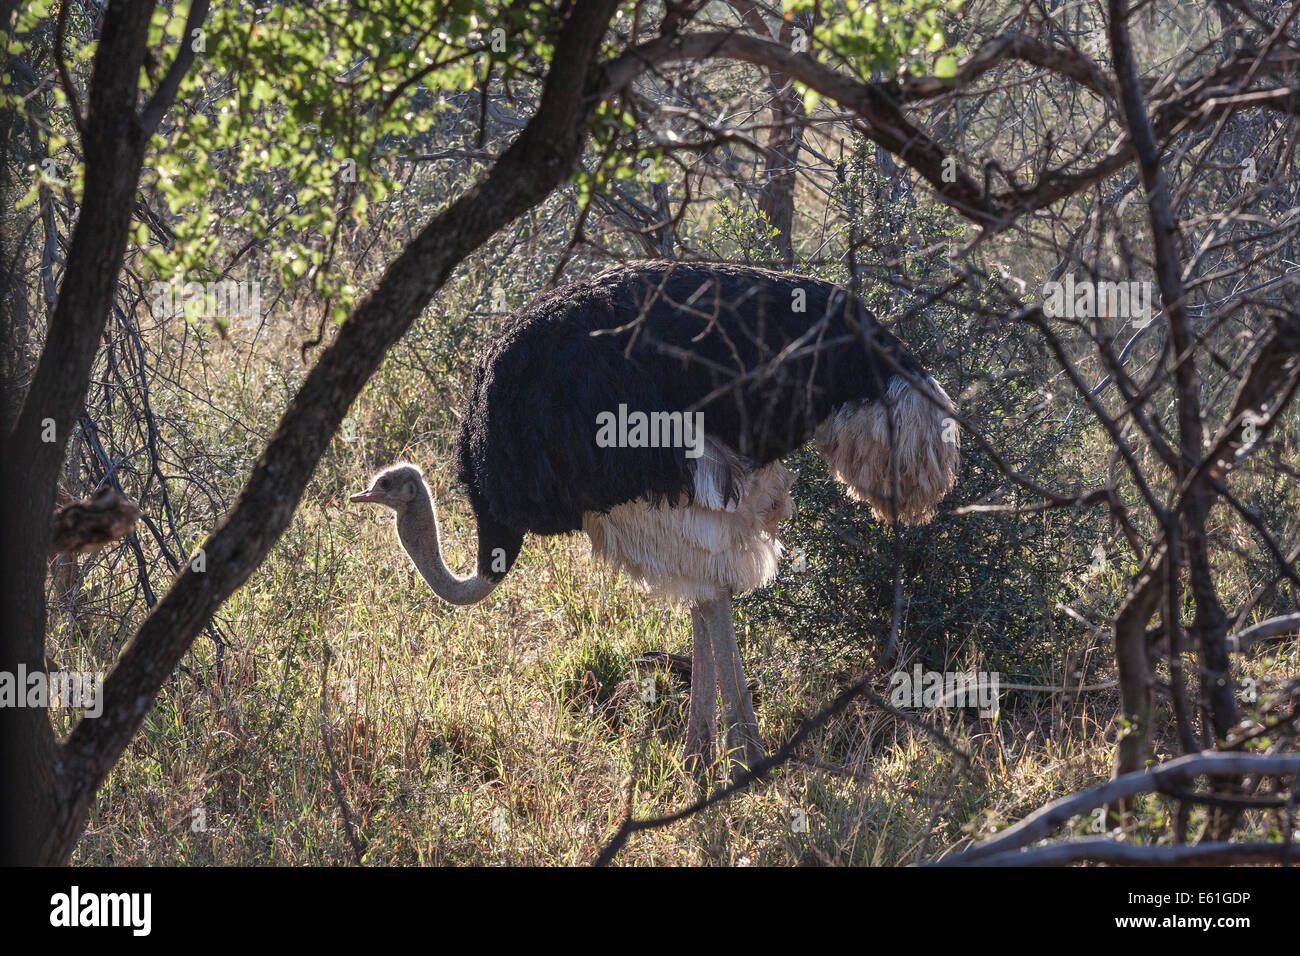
x=1065, y=60
x=1176, y=774
x=1103, y=850
x=1273, y=627
x=879, y=106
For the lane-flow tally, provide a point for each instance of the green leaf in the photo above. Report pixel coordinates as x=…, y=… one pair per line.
x=30, y=197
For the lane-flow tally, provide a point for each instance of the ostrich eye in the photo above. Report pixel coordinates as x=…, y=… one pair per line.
x=384, y=484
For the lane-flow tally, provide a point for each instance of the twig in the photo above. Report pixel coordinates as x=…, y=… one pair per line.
x=760, y=770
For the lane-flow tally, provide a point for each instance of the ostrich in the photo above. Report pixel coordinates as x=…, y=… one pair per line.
x=650, y=408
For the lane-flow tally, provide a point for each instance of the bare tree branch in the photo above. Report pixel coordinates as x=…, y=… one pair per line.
x=1103, y=850
x=1042, y=823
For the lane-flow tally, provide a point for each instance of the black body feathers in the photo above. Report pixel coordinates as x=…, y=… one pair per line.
x=765, y=356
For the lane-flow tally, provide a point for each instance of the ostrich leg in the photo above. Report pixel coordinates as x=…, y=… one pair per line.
x=744, y=746
x=701, y=720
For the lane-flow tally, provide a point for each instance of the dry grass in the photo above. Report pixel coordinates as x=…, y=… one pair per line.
x=515, y=731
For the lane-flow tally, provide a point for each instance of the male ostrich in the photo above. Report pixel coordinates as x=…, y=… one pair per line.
x=551, y=442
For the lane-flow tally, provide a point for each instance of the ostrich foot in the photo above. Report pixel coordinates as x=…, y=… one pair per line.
x=702, y=719
x=744, y=745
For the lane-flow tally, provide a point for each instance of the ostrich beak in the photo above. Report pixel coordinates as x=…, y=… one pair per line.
x=370, y=494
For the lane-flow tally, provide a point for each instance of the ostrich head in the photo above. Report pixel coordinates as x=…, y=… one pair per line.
x=401, y=487
x=398, y=487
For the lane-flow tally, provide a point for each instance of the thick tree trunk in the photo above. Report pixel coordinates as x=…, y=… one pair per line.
x=1210, y=624
x=30, y=803
x=113, y=141
x=776, y=202
x=1136, y=681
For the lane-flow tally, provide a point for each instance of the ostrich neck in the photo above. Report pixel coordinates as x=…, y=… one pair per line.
x=417, y=529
